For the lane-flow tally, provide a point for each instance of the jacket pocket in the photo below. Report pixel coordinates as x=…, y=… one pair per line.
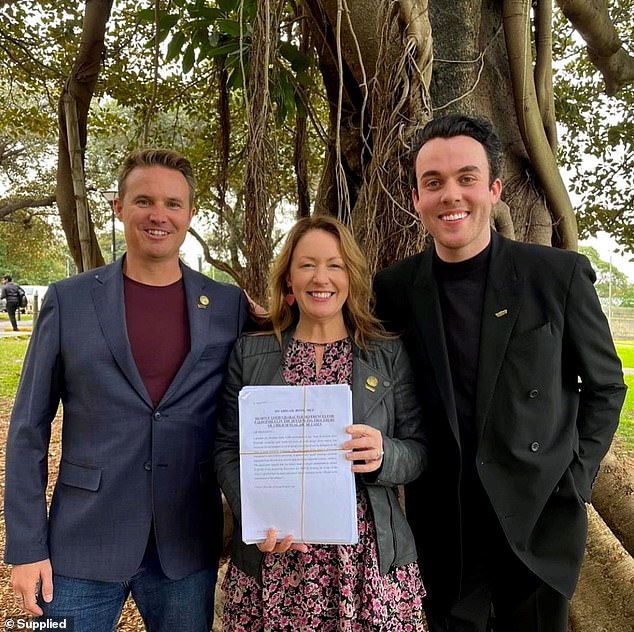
x=79, y=476
x=530, y=338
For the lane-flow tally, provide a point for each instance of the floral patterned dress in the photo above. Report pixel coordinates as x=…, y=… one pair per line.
x=332, y=588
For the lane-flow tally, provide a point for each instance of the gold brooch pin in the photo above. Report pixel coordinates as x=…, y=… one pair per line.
x=371, y=383
x=502, y=312
x=203, y=302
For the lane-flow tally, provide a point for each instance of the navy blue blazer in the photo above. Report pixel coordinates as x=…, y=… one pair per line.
x=548, y=395
x=124, y=462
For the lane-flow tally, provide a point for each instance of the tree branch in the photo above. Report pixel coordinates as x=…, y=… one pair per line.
x=9, y=151
x=79, y=88
x=544, y=69
x=502, y=220
x=216, y=263
x=516, y=15
x=593, y=22
x=17, y=205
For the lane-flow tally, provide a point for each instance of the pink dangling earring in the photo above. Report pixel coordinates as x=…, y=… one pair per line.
x=290, y=298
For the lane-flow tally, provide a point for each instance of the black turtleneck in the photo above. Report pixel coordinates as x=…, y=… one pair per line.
x=461, y=287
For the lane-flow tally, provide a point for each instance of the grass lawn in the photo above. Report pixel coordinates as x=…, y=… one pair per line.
x=625, y=349
x=626, y=427
x=12, y=352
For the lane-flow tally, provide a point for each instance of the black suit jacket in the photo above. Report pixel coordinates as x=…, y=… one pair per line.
x=548, y=397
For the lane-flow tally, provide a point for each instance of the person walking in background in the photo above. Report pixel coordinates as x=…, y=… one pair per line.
x=517, y=371
x=12, y=293
x=322, y=332
x=136, y=352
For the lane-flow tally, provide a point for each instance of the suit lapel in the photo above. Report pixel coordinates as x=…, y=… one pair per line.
x=502, y=302
x=427, y=315
x=107, y=296
x=200, y=298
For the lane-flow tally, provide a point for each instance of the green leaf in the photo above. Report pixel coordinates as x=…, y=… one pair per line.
x=229, y=48
x=228, y=5
x=235, y=79
x=145, y=16
x=250, y=9
x=298, y=60
x=614, y=135
x=229, y=27
x=175, y=46
x=162, y=36
x=168, y=21
x=289, y=96
x=188, y=59
x=200, y=38
x=209, y=14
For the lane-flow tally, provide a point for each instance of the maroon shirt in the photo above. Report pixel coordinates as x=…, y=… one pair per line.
x=158, y=331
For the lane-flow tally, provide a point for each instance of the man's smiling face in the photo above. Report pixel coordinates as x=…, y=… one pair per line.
x=156, y=213
x=454, y=197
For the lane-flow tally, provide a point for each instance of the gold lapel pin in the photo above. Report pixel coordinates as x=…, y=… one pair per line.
x=371, y=383
x=502, y=312
x=203, y=302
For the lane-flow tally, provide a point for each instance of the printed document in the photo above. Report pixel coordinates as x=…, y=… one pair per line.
x=294, y=476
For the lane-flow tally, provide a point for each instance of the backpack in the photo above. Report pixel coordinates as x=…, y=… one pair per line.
x=22, y=297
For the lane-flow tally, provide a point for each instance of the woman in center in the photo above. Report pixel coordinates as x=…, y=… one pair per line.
x=323, y=332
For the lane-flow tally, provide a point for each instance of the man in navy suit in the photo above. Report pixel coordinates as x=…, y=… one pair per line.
x=522, y=389
x=136, y=352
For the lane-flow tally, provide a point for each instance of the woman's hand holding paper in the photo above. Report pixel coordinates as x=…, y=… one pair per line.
x=366, y=448
x=272, y=545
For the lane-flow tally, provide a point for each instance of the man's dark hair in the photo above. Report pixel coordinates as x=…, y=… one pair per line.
x=450, y=125
x=7, y=277
x=167, y=158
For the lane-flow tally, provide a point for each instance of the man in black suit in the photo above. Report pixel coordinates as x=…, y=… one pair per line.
x=522, y=387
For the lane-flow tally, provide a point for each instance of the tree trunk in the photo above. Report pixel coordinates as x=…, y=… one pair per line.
x=79, y=181
x=613, y=498
x=79, y=89
x=471, y=73
x=258, y=217
x=603, y=599
x=342, y=73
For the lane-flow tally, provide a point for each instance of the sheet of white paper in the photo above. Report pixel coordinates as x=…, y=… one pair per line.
x=294, y=476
